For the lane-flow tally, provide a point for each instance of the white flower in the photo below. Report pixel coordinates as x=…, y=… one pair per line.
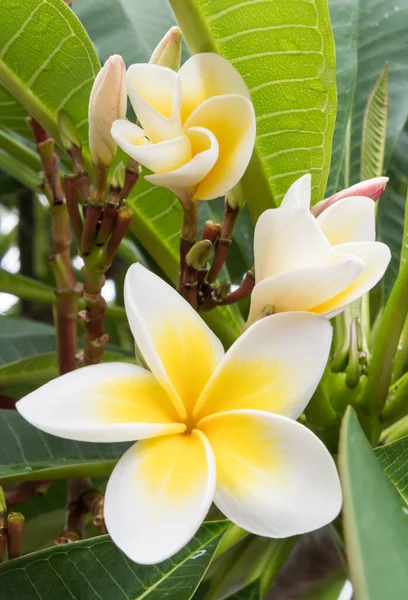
x=106, y=104
x=315, y=264
x=198, y=125
x=214, y=426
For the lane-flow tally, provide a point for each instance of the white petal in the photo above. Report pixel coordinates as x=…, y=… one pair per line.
x=179, y=348
x=204, y=147
x=231, y=119
x=303, y=289
x=111, y=402
x=204, y=76
x=154, y=94
x=349, y=220
x=376, y=257
x=286, y=239
x=161, y=157
x=299, y=193
x=274, y=366
x=275, y=478
x=158, y=495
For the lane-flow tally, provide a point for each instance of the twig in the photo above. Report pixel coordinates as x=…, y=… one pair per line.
x=244, y=290
x=223, y=244
x=27, y=490
x=188, y=234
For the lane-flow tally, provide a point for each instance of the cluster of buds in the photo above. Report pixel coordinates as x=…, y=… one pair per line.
x=11, y=530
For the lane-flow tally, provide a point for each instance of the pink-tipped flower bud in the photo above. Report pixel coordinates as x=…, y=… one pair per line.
x=168, y=52
x=372, y=188
x=107, y=103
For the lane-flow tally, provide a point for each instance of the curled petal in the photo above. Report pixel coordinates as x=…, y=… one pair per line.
x=155, y=96
x=179, y=348
x=204, y=147
x=375, y=257
x=161, y=157
x=274, y=366
x=112, y=402
x=349, y=220
x=372, y=188
x=287, y=239
x=158, y=495
x=303, y=289
x=231, y=119
x=275, y=478
x=204, y=76
x=299, y=193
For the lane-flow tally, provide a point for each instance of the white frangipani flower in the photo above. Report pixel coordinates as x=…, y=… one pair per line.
x=318, y=265
x=198, y=125
x=213, y=426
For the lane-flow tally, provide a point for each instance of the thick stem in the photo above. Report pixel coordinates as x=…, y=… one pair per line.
x=244, y=290
x=26, y=490
x=188, y=234
x=223, y=244
x=75, y=512
x=15, y=531
x=71, y=196
x=26, y=231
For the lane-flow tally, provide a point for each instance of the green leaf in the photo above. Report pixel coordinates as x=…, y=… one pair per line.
x=394, y=460
x=375, y=519
x=40, y=368
x=284, y=49
x=26, y=453
x=47, y=62
x=96, y=568
x=344, y=19
x=249, y=592
x=382, y=37
x=20, y=338
x=374, y=129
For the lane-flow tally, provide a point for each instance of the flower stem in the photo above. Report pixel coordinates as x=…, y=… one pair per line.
x=15, y=531
x=188, y=234
x=223, y=243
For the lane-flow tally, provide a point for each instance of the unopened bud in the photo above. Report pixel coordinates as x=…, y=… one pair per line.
x=372, y=188
x=3, y=505
x=107, y=103
x=118, y=176
x=67, y=130
x=199, y=254
x=168, y=52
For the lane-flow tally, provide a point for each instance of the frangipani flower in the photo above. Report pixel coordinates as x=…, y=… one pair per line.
x=212, y=426
x=315, y=264
x=198, y=125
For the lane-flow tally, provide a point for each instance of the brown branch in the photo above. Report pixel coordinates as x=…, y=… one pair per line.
x=132, y=175
x=92, y=215
x=244, y=290
x=223, y=244
x=71, y=196
x=26, y=490
x=93, y=501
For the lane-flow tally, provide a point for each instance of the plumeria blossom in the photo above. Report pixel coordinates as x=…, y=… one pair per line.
x=198, y=125
x=318, y=264
x=213, y=426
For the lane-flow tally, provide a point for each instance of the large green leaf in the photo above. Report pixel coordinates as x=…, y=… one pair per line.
x=47, y=62
x=28, y=453
x=96, y=568
x=40, y=368
x=20, y=338
x=375, y=519
x=344, y=19
x=394, y=460
x=383, y=35
x=374, y=129
x=285, y=51
x=249, y=592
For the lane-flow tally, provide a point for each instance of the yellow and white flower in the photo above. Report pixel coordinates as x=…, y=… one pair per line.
x=213, y=426
x=313, y=264
x=198, y=125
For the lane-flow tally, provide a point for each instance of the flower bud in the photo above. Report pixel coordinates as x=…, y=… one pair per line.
x=372, y=188
x=168, y=52
x=107, y=103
